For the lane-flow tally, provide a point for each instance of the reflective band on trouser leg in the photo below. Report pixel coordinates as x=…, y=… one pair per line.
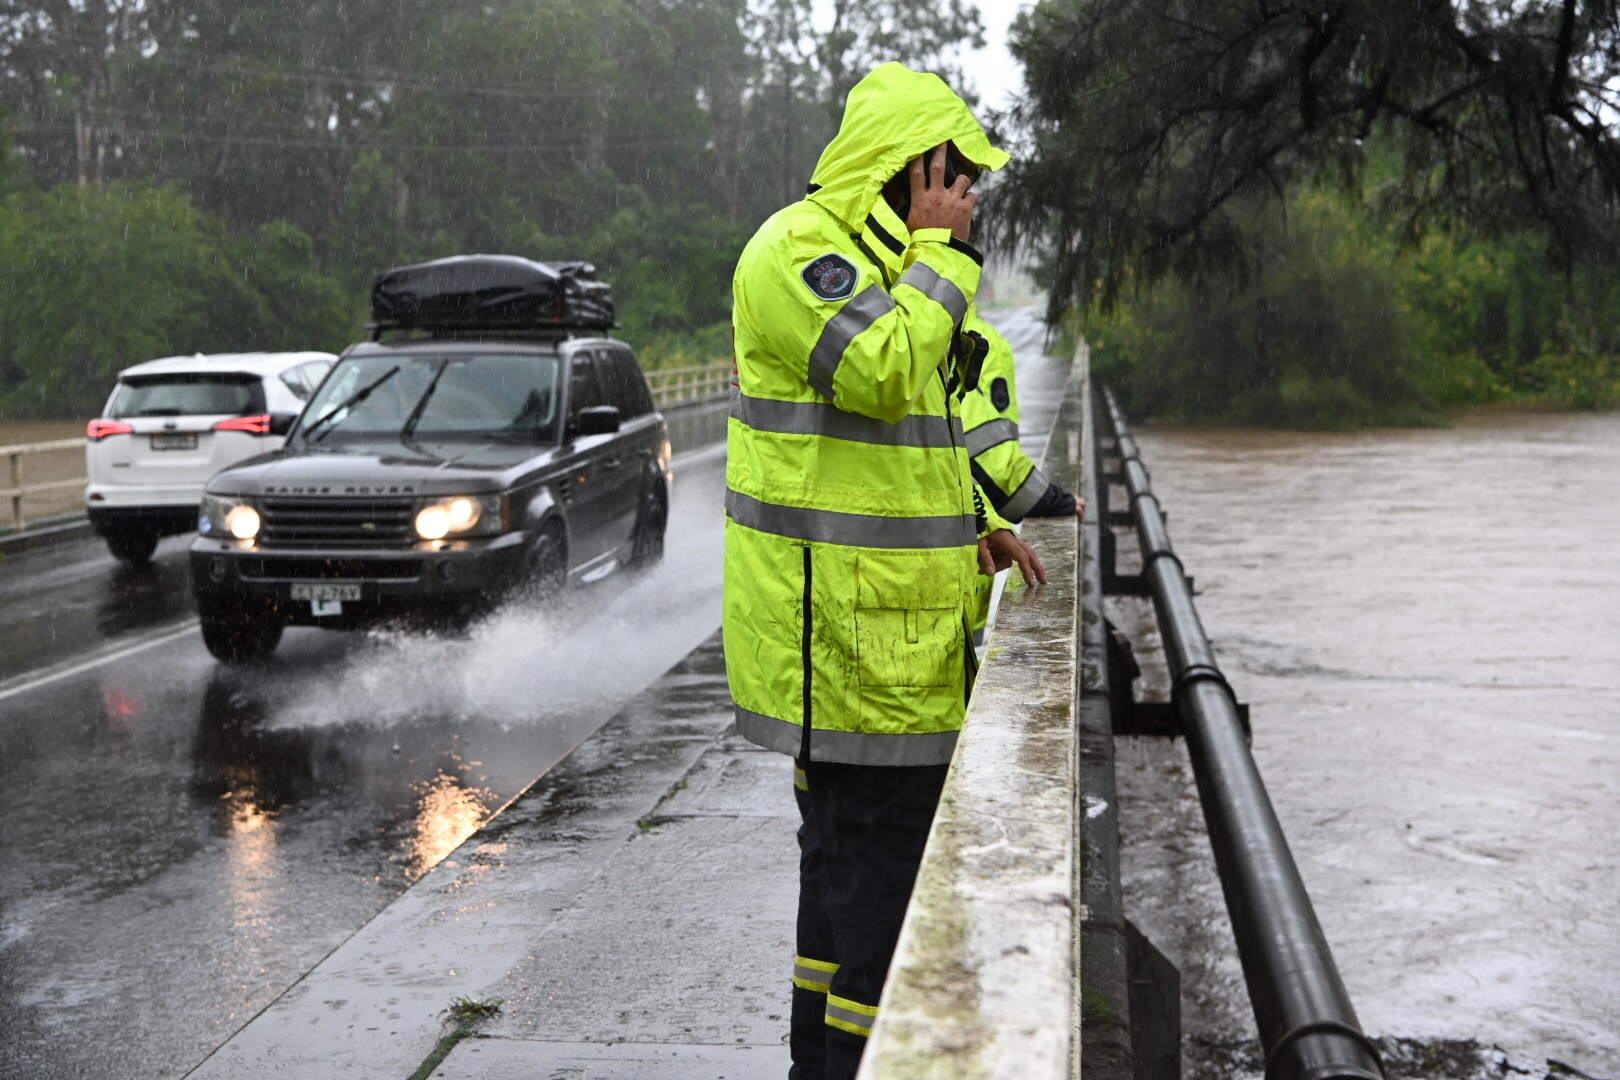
x=991, y=434
x=853, y=530
x=813, y=975
x=857, y=315
x=1028, y=494
x=926, y=280
x=827, y=419
x=851, y=1016
x=800, y=781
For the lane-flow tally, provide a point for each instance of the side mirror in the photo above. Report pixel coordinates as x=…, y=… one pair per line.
x=281, y=423
x=597, y=420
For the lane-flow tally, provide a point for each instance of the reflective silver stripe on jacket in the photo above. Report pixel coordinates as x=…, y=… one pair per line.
x=990, y=434
x=852, y=530
x=847, y=747
x=825, y=418
x=1024, y=499
x=926, y=280
x=859, y=314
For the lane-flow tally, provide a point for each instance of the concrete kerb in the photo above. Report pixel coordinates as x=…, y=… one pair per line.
x=985, y=977
x=58, y=530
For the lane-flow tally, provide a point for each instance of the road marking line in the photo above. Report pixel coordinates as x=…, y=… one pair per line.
x=22, y=684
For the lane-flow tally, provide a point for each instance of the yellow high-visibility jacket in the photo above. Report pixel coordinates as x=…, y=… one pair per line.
x=851, y=525
x=1010, y=480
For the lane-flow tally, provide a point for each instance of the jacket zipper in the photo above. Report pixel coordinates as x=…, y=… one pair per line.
x=804, y=739
x=970, y=660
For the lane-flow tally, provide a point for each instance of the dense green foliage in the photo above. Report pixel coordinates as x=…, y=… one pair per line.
x=92, y=279
x=1466, y=255
x=269, y=154
x=1339, y=324
x=1154, y=123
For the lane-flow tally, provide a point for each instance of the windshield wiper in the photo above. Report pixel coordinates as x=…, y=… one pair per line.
x=422, y=403
x=354, y=399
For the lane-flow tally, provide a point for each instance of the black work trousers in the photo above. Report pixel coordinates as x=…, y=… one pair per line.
x=861, y=837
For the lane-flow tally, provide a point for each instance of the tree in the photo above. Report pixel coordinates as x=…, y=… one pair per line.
x=920, y=33
x=94, y=279
x=1157, y=125
x=65, y=61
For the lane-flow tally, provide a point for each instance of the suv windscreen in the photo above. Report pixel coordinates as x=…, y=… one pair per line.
x=200, y=394
x=459, y=395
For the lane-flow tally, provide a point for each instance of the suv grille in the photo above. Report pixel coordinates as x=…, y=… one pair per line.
x=321, y=569
x=311, y=523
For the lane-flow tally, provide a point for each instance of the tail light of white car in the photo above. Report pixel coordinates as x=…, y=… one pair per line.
x=260, y=424
x=100, y=429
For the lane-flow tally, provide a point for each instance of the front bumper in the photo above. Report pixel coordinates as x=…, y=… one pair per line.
x=430, y=578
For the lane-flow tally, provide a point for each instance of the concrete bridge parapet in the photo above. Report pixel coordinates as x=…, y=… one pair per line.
x=985, y=980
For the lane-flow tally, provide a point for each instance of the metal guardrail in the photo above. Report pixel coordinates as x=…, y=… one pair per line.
x=20, y=490
x=1306, y=1022
x=673, y=386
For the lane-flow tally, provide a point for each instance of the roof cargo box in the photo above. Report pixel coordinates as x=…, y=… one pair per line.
x=491, y=292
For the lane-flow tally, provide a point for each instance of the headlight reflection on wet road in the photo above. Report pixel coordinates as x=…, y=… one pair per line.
x=446, y=814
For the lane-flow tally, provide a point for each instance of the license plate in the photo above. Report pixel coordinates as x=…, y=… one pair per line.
x=323, y=592
x=174, y=442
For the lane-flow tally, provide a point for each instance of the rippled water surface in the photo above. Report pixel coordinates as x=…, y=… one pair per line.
x=1427, y=626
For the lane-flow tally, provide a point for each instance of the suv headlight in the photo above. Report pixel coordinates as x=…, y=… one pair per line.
x=224, y=515
x=461, y=516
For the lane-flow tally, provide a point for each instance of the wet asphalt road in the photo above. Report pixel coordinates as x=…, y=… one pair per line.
x=184, y=840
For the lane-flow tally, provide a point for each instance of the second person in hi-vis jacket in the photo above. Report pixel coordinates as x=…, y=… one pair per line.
x=1014, y=484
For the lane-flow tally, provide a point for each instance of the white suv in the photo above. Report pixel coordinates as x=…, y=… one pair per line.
x=171, y=424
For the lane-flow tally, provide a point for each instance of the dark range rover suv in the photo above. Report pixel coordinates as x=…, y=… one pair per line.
x=431, y=477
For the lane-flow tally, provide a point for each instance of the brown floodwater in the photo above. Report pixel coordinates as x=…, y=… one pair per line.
x=1426, y=624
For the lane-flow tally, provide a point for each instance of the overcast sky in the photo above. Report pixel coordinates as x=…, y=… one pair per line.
x=992, y=68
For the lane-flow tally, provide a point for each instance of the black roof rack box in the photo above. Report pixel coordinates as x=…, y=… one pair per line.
x=491, y=292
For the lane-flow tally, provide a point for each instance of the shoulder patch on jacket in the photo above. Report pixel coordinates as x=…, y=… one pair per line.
x=831, y=277
x=999, y=397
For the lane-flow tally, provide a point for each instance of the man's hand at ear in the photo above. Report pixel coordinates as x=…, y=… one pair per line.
x=1002, y=548
x=935, y=206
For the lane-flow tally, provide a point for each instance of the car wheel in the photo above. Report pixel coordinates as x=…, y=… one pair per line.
x=240, y=638
x=132, y=545
x=548, y=561
x=651, y=522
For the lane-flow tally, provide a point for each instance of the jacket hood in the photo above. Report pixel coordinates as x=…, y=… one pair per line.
x=891, y=116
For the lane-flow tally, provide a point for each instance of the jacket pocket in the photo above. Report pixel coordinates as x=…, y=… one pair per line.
x=908, y=617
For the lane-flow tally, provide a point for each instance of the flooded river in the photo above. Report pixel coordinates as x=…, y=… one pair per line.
x=1427, y=627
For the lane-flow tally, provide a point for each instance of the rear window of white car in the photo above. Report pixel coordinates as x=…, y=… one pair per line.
x=200, y=394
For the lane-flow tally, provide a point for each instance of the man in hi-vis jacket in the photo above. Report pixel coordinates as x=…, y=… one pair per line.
x=1013, y=483
x=854, y=530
